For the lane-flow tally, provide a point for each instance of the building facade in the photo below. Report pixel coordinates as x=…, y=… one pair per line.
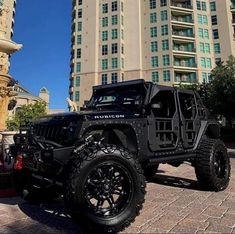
x=164, y=41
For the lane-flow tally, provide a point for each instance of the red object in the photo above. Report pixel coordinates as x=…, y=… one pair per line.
x=19, y=162
x=8, y=193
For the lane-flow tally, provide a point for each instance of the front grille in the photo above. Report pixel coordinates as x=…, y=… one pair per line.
x=52, y=133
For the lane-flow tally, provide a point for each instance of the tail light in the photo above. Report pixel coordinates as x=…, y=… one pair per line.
x=19, y=162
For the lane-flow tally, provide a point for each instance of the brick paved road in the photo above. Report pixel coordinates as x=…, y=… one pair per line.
x=174, y=203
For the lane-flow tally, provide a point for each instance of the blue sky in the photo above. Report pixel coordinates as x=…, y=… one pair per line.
x=44, y=28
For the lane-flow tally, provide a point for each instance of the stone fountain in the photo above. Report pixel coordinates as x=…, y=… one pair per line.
x=7, y=47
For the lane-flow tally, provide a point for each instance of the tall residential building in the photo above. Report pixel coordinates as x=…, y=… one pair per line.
x=165, y=41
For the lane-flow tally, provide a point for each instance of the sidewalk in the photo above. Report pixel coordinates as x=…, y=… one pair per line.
x=174, y=203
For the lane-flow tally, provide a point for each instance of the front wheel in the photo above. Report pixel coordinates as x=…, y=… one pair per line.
x=212, y=166
x=105, y=188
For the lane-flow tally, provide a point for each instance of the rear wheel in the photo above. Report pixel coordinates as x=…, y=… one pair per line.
x=212, y=166
x=105, y=188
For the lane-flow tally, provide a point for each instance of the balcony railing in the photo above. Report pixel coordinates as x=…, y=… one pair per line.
x=183, y=34
x=182, y=19
x=184, y=49
x=185, y=79
x=185, y=64
x=181, y=5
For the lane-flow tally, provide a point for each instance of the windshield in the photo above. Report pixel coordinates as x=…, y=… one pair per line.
x=131, y=99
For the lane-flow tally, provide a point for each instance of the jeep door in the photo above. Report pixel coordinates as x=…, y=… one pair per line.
x=163, y=119
x=190, y=121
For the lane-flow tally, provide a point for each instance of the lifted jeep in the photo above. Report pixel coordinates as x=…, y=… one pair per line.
x=100, y=158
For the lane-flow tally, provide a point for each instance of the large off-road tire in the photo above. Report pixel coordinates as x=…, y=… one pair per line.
x=105, y=188
x=212, y=165
x=150, y=171
x=24, y=187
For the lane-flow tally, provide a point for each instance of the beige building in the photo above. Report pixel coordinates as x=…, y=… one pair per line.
x=165, y=41
x=25, y=97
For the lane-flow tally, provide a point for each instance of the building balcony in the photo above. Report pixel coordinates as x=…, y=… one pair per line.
x=185, y=78
x=183, y=65
x=182, y=34
x=181, y=6
x=184, y=50
x=180, y=20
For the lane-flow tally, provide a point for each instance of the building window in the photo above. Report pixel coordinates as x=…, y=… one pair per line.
x=152, y=4
x=164, y=15
x=154, y=61
x=122, y=34
x=166, y=60
x=202, y=49
x=205, y=19
x=104, y=79
x=153, y=17
x=214, y=19
x=164, y=30
x=122, y=20
x=217, y=48
x=77, y=96
x=155, y=77
x=79, y=27
x=114, y=48
x=79, y=39
x=114, y=19
x=114, y=33
x=204, y=6
x=153, y=32
x=78, y=67
x=215, y=34
x=200, y=33
x=114, y=77
x=78, y=53
x=204, y=77
x=114, y=6
x=123, y=63
x=206, y=33
x=105, y=22
x=163, y=3
x=198, y=5
x=122, y=6
x=208, y=62
x=166, y=76
x=122, y=48
x=207, y=48
x=199, y=19
x=77, y=81
x=203, y=62
x=104, y=64
x=104, y=35
x=105, y=8
x=104, y=49
x=79, y=13
x=165, y=44
x=114, y=63
x=79, y=2
x=154, y=46
x=213, y=6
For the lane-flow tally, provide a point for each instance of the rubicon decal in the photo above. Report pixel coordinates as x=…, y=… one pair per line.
x=109, y=116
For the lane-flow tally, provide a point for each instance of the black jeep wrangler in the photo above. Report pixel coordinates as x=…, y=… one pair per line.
x=100, y=158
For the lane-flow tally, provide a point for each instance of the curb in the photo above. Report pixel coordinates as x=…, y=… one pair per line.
x=8, y=193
